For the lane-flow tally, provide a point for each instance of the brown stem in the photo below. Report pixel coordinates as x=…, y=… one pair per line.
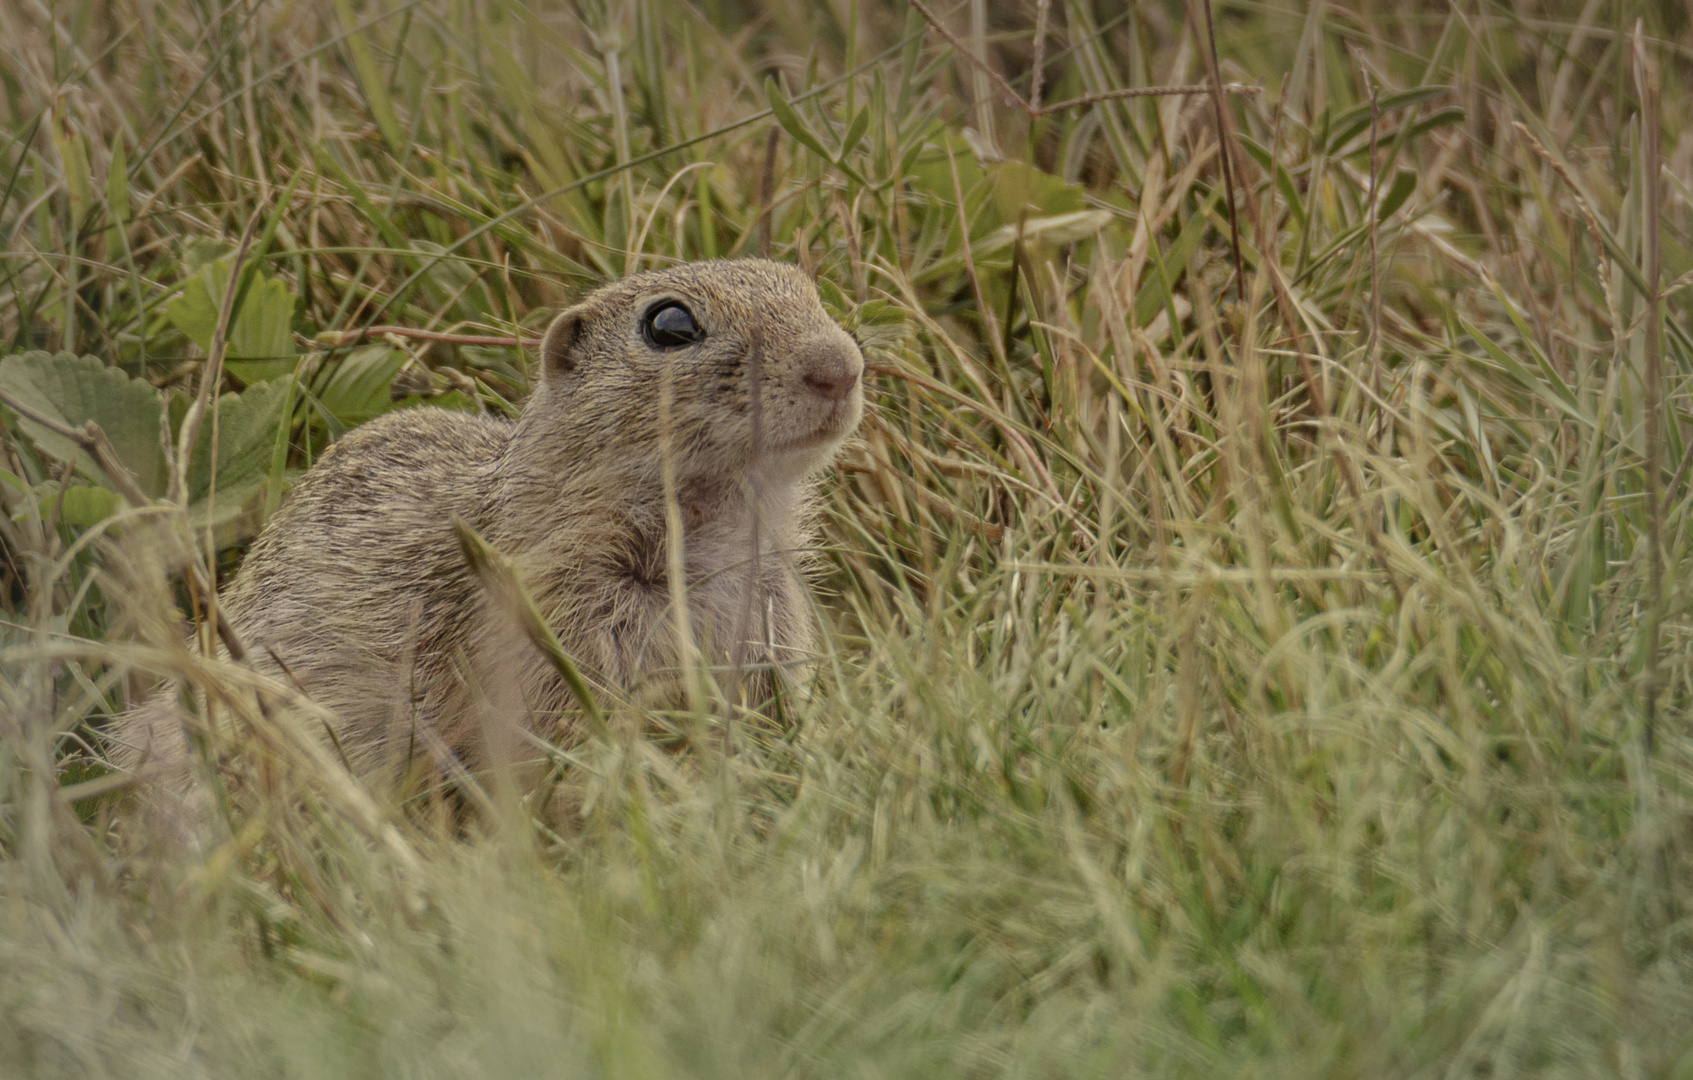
x=1032, y=106
x=964, y=51
x=1375, y=276
x=1646, y=81
x=766, y=189
x=1144, y=91
x=337, y=338
x=1225, y=143
x=212, y=373
x=90, y=439
x=1037, y=66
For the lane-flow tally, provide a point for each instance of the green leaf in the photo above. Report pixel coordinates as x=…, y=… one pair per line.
x=1154, y=289
x=1019, y=187
x=260, y=342
x=359, y=388
x=1284, y=182
x=117, y=185
x=796, y=126
x=77, y=389
x=1557, y=395
x=1440, y=118
x=1553, y=379
x=198, y=252
x=1404, y=182
x=263, y=338
x=80, y=506
x=117, y=200
x=279, y=448
x=833, y=299
x=880, y=313
x=370, y=78
x=86, y=506
x=792, y=122
x=245, y=431
x=931, y=171
x=1056, y=230
x=73, y=156
x=454, y=400
x=855, y=131
x=1355, y=120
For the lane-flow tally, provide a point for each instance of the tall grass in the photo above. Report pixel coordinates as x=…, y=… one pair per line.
x=1231, y=673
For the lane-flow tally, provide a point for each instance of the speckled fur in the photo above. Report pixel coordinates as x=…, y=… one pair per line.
x=359, y=588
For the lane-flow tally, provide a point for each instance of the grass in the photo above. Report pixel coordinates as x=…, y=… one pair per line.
x=1277, y=673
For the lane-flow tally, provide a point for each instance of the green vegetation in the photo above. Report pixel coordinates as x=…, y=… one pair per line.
x=1283, y=673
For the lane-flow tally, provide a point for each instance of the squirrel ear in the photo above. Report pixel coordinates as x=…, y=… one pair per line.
x=558, y=348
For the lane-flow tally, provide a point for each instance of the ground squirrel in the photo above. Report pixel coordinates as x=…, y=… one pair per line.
x=358, y=589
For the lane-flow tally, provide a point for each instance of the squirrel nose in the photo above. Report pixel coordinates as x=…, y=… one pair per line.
x=831, y=368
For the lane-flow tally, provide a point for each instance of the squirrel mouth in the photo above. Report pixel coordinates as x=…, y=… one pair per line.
x=834, y=425
x=824, y=435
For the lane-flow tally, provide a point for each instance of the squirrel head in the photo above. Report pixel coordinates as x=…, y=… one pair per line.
x=732, y=364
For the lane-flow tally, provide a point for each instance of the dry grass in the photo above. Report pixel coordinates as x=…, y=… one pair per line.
x=1234, y=674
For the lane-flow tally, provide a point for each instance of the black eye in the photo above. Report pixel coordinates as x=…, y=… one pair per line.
x=670, y=325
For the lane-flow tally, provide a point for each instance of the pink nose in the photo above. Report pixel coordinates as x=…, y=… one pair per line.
x=832, y=387
x=830, y=368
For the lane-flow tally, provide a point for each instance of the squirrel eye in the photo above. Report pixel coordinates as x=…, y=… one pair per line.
x=670, y=325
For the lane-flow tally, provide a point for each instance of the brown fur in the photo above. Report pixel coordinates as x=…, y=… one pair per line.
x=359, y=588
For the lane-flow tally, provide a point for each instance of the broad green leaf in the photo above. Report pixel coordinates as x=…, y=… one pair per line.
x=260, y=343
x=82, y=506
x=1019, y=187
x=359, y=388
x=880, y=313
x=279, y=448
x=931, y=171
x=454, y=400
x=90, y=505
x=77, y=389
x=833, y=300
x=262, y=340
x=198, y=252
x=244, y=433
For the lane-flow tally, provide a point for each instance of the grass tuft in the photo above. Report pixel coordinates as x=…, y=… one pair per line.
x=1260, y=641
